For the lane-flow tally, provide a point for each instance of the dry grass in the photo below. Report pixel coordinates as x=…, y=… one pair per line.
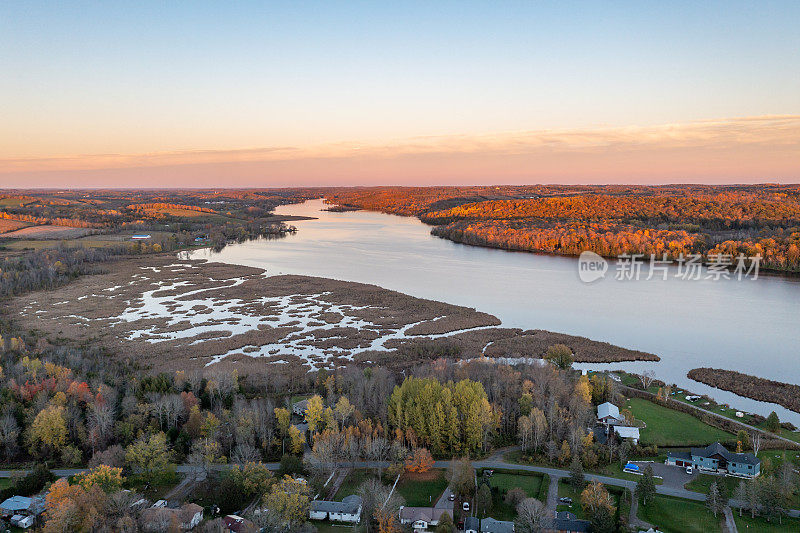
x=11, y=225
x=266, y=322
x=49, y=233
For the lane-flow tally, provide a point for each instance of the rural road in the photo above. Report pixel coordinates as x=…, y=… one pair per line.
x=493, y=463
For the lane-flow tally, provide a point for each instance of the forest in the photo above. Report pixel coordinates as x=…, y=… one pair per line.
x=610, y=220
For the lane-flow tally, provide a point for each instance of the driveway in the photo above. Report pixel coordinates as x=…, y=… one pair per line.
x=444, y=501
x=675, y=477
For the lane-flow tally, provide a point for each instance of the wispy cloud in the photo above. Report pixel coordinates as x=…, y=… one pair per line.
x=768, y=146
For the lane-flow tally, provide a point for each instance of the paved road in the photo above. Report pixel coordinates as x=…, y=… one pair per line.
x=730, y=523
x=489, y=463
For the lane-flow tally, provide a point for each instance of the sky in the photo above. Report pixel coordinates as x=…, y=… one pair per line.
x=257, y=94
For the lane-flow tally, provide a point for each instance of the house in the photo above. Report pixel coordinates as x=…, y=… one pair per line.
x=140, y=237
x=348, y=510
x=566, y=522
x=299, y=408
x=22, y=521
x=471, y=524
x=188, y=516
x=237, y=524
x=490, y=525
x=608, y=414
x=626, y=432
x=23, y=506
x=422, y=517
x=16, y=505
x=716, y=458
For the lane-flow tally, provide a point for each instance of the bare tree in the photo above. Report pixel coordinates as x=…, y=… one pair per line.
x=756, y=442
x=646, y=378
x=531, y=515
x=9, y=435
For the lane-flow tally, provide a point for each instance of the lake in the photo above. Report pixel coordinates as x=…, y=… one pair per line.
x=746, y=325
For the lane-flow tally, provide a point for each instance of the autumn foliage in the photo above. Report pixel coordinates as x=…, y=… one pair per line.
x=419, y=461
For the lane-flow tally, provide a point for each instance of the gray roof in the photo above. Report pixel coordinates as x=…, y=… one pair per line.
x=731, y=457
x=16, y=503
x=349, y=505
x=566, y=521
x=472, y=523
x=683, y=456
x=490, y=525
x=607, y=409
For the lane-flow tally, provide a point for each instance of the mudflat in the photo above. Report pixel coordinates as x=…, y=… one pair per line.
x=173, y=314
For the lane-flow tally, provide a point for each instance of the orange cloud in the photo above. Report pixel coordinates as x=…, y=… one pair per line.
x=763, y=148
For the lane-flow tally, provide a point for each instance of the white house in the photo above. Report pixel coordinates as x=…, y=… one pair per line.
x=422, y=517
x=348, y=510
x=626, y=432
x=22, y=521
x=608, y=414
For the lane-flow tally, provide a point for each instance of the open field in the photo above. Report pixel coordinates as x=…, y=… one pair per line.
x=48, y=232
x=193, y=314
x=674, y=515
x=667, y=427
x=422, y=490
x=7, y=225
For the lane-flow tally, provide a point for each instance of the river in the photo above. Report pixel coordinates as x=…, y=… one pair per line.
x=746, y=325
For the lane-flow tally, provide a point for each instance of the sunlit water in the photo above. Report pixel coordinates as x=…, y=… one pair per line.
x=749, y=326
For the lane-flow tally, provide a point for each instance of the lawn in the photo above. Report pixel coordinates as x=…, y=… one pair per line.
x=532, y=484
x=327, y=527
x=674, y=515
x=5, y=482
x=501, y=482
x=745, y=523
x=567, y=490
x=351, y=483
x=422, y=490
x=702, y=483
x=667, y=427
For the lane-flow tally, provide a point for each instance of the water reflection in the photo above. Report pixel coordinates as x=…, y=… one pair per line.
x=749, y=326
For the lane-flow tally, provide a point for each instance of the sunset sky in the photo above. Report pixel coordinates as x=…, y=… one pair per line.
x=257, y=94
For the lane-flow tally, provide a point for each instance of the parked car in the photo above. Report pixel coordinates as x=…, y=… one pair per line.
x=566, y=500
x=465, y=507
x=689, y=470
x=452, y=497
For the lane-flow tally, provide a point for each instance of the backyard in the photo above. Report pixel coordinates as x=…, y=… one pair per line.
x=422, y=489
x=534, y=485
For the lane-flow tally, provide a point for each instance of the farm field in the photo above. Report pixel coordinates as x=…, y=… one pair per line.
x=7, y=225
x=667, y=427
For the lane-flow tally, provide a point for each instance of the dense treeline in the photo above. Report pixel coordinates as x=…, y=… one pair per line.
x=199, y=209
x=764, y=390
x=673, y=220
x=68, y=222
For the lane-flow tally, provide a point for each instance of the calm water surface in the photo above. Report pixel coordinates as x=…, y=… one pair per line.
x=749, y=326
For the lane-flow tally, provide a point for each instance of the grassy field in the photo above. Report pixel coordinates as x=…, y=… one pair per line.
x=5, y=482
x=667, y=427
x=351, y=483
x=674, y=515
x=327, y=527
x=504, y=481
x=421, y=490
x=710, y=405
x=744, y=523
x=702, y=483
x=567, y=490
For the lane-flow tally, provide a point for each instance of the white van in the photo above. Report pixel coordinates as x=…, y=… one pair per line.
x=689, y=470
